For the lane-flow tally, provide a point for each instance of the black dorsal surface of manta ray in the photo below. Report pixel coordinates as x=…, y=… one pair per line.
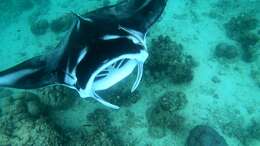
x=101, y=48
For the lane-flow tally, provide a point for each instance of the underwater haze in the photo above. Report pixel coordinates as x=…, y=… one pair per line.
x=200, y=86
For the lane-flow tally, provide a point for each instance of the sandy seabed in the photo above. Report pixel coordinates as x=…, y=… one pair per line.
x=223, y=94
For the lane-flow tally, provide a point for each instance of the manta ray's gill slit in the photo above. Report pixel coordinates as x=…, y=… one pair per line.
x=120, y=63
x=111, y=69
x=102, y=74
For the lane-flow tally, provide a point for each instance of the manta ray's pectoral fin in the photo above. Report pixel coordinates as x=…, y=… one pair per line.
x=101, y=100
x=30, y=74
x=138, y=77
x=136, y=14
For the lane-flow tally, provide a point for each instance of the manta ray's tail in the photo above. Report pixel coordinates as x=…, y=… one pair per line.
x=30, y=74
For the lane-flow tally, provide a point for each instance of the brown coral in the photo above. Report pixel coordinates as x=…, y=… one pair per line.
x=168, y=60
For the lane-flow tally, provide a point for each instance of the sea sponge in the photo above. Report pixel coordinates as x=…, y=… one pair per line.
x=39, y=27
x=57, y=97
x=61, y=24
x=164, y=114
x=203, y=135
x=167, y=59
x=226, y=51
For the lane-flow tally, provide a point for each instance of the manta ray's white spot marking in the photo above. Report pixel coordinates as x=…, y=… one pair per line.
x=10, y=79
x=111, y=37
x=136, y=36
x=82, y=55
x=78, y=25
x=70, y=77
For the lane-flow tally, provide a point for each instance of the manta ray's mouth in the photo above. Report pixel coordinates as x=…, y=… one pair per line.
x=113, y=73
x=117, y=71
x=112, y=69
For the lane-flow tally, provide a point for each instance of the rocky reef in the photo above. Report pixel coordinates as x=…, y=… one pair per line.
x=242, y=29
x=202, y=135
x=167, y=59
x=164, y=114
x=23, y=122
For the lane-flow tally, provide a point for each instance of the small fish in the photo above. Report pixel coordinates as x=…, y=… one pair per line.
x=100, y=49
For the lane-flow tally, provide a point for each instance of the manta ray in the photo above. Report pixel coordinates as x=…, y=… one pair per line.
x=101, y=48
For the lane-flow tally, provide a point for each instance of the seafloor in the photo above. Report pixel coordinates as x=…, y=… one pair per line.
x=203, y=69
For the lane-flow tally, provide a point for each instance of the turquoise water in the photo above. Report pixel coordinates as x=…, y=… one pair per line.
x=203, y=69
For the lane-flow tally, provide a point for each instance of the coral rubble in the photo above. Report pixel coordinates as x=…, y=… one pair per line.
x=100, y=118
x=57, y=97
x=164, y=114
x=22, y=123
x=104, y=133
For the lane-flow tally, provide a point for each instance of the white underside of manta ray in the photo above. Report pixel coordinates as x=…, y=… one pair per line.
x=113, y=71
x=99, y=50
